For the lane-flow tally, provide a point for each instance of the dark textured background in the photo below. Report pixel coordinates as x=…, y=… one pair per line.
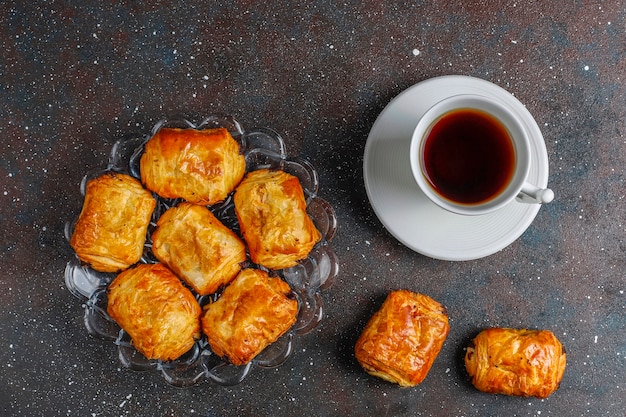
x=77, y=75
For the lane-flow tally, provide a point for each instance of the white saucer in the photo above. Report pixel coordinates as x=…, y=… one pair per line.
x=402, y=207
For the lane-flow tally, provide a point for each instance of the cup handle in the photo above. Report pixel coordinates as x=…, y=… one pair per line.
x=532, y=194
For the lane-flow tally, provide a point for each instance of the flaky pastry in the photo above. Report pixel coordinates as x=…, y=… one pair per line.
x=111, y=229
x=252, y=312
x=272, y=215
x=200, y=166
x=516, y=362
x=159, y=313
x=402, y=339
x=194, y=244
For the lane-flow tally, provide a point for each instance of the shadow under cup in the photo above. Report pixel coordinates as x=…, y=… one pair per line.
x=470, y=154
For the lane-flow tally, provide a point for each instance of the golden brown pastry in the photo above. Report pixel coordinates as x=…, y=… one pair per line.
x=200, y=166
x=271, y=209
x=111, y=230
x=252, y=312
x=402, y=339
x=194, y=244
x=516, y=362
x=159, y=313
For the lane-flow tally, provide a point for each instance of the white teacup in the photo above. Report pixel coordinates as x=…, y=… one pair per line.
x=471, y=155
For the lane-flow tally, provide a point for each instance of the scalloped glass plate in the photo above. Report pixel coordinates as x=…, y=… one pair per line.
x=262, y=148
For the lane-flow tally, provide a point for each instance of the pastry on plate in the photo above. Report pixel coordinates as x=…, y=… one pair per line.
x=402, y=339
x=516, y=362
x=194, y=244
x=158, y=312
x=271, y=210
x=200, y=166
x=111, y=229
x=253, y=311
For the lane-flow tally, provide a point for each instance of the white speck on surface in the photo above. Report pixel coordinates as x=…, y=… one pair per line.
x=416, y=52
x=586, y=68
x=595, y=339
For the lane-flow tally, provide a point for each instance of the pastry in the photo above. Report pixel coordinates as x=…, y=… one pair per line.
x=516, y=362
x=271, y=210
x=194, y=244
x=401, y=340
x=111, y=229
x=200, y=166
x=253, y=311
x=159, y=313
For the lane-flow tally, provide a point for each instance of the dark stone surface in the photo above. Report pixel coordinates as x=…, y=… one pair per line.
x=78, y=75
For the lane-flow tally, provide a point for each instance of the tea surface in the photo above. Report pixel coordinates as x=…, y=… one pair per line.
x=469, y=156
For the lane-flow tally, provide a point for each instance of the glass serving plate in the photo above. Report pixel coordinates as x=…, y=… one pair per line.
x=262, y=148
